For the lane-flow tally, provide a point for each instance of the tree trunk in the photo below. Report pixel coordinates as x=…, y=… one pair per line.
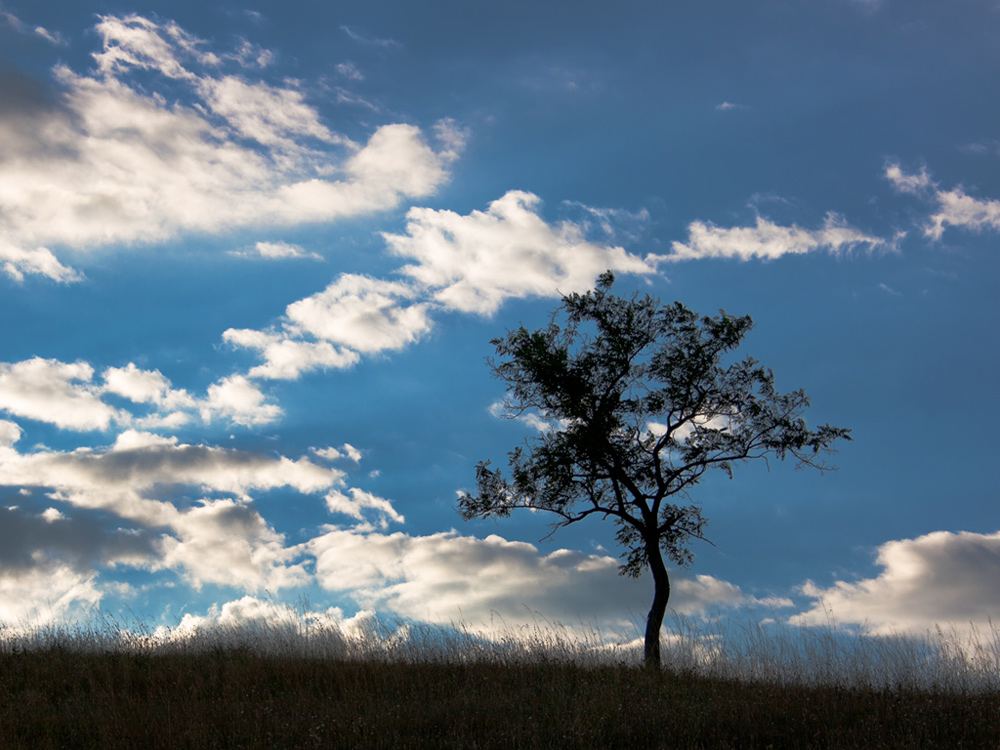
x=661, y=595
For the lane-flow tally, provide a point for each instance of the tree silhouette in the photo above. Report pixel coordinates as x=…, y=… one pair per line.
x=637, y=407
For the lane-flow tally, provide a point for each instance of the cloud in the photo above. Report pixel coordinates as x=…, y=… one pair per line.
x=350, y=71
x=362, y=314
x=332, y=454
x=356, y=501
x=369, y=40
x=45, y=594
x=59, y=393
x=447, y=578
x=768, y=241
x=238, y=399
x=936, y=579
x=471, y=263
x=352, y=316
x=10, y=433
x=273, y=627
x=286, y=357
x=474, y=263
x=954, y=207
x=726, y=106
x=102, y=162
x=67, y=395
x=276, y=251
x=20, y=27
x=165, y=505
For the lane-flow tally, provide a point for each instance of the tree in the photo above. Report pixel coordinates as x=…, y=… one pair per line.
x=637, y=406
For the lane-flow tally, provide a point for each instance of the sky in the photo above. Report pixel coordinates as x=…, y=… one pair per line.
x=252, y=257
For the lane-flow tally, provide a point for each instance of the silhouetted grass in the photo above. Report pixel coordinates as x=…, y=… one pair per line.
x=444, y=688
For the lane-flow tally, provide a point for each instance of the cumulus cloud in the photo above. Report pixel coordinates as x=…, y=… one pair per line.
x=57, y=392
x=936, y=579
x=68, y=395
x=166, y=505
x=954, y=207
x=10, y=433
x=45, y=594
x=154, y=503
x=445, y=578
x=353, y=315
x=474, y=263
x=361, y=314
x=767, y=240
x=104, y=162
x=471, y=263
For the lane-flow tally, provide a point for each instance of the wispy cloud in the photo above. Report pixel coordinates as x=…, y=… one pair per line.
x=276, y=251
x=954, y=207
x=372, y=41
x=11, y=21
x=767, y=240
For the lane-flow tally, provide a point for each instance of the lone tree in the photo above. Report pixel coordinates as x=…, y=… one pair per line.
x=639, y=406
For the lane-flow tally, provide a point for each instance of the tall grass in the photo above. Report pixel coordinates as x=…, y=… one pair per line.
x=291, y=680
x=751, y=650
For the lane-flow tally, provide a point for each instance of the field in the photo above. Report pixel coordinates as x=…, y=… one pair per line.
x=278, y=687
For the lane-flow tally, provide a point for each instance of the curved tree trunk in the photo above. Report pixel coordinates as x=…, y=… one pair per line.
x=661, y=595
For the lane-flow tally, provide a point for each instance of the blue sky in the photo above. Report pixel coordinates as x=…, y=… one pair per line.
x=251, y=258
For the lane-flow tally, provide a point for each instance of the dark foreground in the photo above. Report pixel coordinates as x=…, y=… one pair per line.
x=234, y=699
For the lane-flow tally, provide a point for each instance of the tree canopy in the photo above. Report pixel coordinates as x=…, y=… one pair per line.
x=637, y=405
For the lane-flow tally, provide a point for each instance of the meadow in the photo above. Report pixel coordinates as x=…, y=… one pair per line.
x=390, y=685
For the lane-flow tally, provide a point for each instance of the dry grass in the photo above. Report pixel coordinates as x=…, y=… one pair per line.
x=271, y=686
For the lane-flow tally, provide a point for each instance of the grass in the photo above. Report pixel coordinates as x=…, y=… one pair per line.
x=271, y=686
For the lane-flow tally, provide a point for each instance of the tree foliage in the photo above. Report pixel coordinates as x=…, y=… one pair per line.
x=638, y=405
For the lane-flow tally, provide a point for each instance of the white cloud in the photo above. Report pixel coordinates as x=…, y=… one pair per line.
x=287, y=358
x=65, y=394
x=10, y=433
x=106, y=163
x=240, y=400
x=227, y=543
x=468, y=263
x=271, y=116
x=447, y=578
x=332, y=454
x=954, y=207
x=147, y=482
x=270, y=626
x=56, y=392
x=767, y=240
x=369, y=40
x=355, y=502
x=353, y=315
x=277, y=251
x=475, y=262
x=22, y=28
x=914, y=184
x=937, y=579
x=45, y=594
x=726, y=106
x=362, y=314
x=349, y=70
